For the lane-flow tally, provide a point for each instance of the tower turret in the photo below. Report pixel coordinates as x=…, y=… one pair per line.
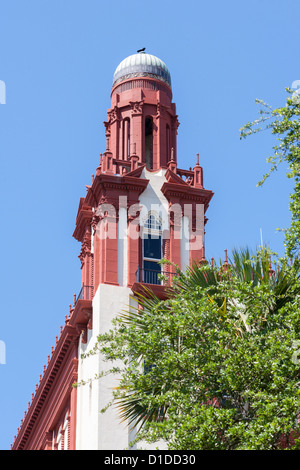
x=142, y=120
x=139, y=207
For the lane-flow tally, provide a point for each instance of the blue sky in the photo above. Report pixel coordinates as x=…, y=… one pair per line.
x=57, y=60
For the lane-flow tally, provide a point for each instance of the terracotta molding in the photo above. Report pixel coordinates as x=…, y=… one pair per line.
x=82, y=314
x=106, y=185
x=184, y=192
x=148, y=290
x=47, y=402
x=142, y=82
x=84, y=218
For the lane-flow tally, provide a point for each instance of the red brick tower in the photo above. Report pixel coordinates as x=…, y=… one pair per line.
x=139, y=208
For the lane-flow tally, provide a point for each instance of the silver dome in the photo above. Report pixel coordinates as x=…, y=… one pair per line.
x=142, y=65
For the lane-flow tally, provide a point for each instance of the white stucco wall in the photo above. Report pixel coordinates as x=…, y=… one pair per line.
x=185, y=243
x=152, y=199
x=96, y=430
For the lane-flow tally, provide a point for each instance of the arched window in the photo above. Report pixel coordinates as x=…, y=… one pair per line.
x=152, y=223
x=126, y=139
x=61, y=437
x=168, y=142
x=152, y=250
x=149, y=142
x=66, y=432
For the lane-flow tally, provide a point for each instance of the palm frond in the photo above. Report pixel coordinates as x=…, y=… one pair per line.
x=133, y=410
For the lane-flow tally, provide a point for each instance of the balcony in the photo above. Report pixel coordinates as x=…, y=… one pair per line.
x=82, y=313
x=86, y=293
x=155, y=281
x=156, y=277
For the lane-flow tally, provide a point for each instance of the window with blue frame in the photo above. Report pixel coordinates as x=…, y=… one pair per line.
x=152, y=250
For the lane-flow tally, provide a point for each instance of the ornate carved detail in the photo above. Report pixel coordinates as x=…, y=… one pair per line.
x=107, y=128
x=75, y=369
x=136, y=107
x=175, y=123
x=113, y=115
x=85, y=246
x=95, y=222
x=82, y=329
x=105, y=205
x=161, y=110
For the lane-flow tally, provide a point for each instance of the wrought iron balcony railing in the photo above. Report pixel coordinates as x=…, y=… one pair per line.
x=151, y=276
x=86, y=293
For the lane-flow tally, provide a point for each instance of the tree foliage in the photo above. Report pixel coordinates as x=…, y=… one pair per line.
x=284, y=123
x=214, y=366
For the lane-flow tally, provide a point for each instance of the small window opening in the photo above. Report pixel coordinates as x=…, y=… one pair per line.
x=126, y=139
x=149, y=142
x=168, y=148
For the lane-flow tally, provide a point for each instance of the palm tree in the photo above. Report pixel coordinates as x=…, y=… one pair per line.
x=253, y=270
x=245, y=268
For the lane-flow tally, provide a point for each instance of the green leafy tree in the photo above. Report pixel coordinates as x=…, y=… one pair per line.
x=284, y=123
x=214, y=366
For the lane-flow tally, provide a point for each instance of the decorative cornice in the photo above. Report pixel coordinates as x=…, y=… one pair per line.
x=66, y=349
x=62, y=367
x=138, y=75
x=113, y=115
x=183, y=193
x=84, y=217
x=104, y=184
x=142, y=82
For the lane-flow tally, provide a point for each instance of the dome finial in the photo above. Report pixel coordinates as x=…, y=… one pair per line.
x=141, y=50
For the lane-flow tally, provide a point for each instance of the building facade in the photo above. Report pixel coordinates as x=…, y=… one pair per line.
x=139, y=208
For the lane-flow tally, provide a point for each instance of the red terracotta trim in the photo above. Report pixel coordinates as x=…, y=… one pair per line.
x=172, y=177
x=84, y=217
x=147, y=289
x=161, y=84
x=82, y=313
x=52, y=393
x=105, y=183
x=187, y=193
x=137, y=172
